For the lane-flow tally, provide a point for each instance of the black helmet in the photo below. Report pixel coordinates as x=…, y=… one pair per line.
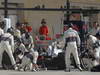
x=2, y=24
x=70, y=25
x=98, y=34
x=10, y=30
x=18, y=24
x=27, y=35
x=43, y=21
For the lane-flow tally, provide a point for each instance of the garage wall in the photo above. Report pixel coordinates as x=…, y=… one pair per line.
x=54, y=19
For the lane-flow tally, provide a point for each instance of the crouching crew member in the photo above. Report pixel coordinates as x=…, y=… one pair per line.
x=96, y=47
x=28, y=42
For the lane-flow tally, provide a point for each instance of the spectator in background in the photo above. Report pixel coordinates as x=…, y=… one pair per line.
x=43, y=29
x=95, y=28
x=27, y=27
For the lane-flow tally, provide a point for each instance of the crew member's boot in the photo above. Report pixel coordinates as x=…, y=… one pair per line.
x=67, y=70
x=79, y=67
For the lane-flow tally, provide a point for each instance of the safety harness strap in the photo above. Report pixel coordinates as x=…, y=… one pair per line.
x=71, y=39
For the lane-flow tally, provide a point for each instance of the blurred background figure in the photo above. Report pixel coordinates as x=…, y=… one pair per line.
x=44, y=28
x=44, y=31
x=95, y=28
x=26, y=27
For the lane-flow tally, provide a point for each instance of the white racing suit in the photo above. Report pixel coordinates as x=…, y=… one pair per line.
x=7, y=44
x=1, y=31
x=94, y=44
x=20, y=49
x=21, y=57
x=72, y=39
x=28, y=60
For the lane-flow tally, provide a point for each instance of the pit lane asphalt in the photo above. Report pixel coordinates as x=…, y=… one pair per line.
x=48, y=72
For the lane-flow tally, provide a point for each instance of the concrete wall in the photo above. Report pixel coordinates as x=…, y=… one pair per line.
x=54, y=19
